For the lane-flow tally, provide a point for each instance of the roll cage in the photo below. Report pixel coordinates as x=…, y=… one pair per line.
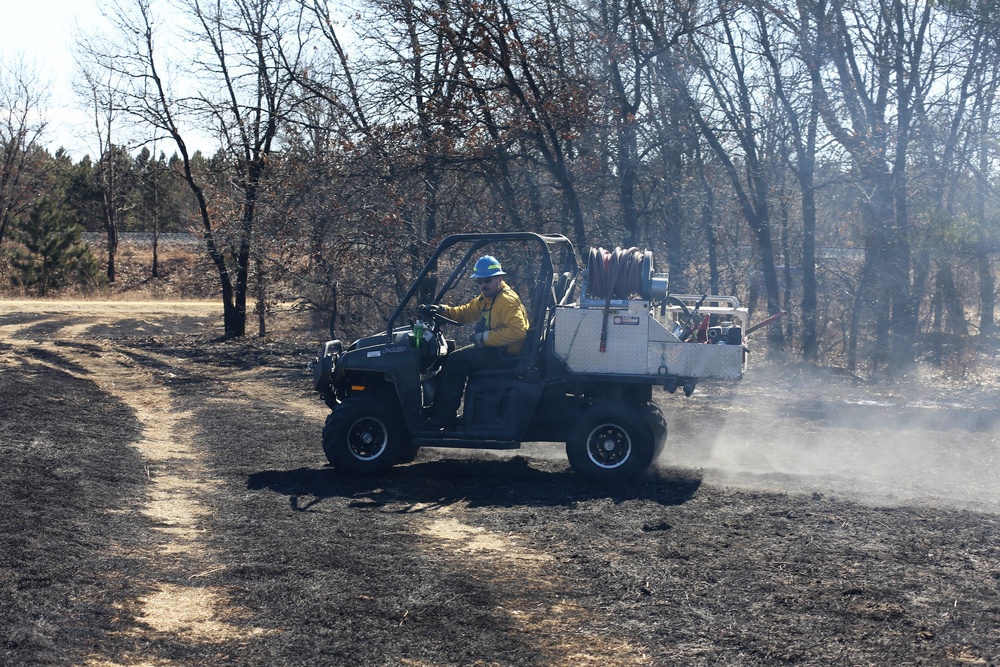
x=551, y=286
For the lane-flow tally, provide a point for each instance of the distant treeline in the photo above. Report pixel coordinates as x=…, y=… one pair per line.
x=835, y=159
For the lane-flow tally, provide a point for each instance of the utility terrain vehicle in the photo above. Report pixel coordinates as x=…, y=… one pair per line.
x=599, y=340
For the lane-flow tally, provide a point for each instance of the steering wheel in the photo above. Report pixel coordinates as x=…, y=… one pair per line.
x=437, y=319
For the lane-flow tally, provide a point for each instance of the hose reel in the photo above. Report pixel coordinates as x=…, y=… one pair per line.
x=624, y=274
x=621, y=275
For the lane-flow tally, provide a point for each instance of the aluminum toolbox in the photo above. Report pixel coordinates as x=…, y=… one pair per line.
x=639, y=341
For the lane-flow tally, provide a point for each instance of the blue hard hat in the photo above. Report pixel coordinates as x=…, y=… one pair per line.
x=488, y=266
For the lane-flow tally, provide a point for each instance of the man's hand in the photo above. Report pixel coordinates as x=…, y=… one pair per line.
x=479, y=338
x=429, y=309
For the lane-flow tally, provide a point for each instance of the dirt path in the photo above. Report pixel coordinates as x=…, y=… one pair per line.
x=558, y=627
x=179, y=477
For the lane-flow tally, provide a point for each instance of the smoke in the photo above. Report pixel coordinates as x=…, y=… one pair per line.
x=908, y=444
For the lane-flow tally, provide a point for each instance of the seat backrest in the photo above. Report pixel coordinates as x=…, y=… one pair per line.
x=561, y=284
x=533, y=350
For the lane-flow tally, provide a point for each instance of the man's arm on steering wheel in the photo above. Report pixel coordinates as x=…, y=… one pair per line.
x=437, y=313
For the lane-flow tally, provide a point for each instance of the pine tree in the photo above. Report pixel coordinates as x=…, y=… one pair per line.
x=51, y=253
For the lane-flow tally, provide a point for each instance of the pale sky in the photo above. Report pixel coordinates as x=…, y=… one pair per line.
x=42, y=31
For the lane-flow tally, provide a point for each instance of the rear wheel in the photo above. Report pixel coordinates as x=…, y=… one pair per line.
x=611, y=441
x=365, y=435
x=658, y=425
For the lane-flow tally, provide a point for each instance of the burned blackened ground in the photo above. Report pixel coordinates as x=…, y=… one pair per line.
x=67, y=530
x=167, y=502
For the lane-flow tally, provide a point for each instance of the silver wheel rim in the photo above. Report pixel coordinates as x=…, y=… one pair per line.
x=367, y=439
x=609, y=446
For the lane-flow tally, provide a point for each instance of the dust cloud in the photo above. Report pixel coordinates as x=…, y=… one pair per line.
x=916, y=443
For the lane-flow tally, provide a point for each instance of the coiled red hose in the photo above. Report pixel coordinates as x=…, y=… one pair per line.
x=616, y=275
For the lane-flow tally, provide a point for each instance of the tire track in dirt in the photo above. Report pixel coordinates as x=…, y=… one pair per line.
x=178, y=604
x=561, y=630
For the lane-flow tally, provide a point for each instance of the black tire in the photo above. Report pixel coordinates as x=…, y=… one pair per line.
x=656, y=421
x=365, y=435
x=611, y=442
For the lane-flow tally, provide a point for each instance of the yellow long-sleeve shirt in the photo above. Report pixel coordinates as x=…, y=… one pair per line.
x=505, y=320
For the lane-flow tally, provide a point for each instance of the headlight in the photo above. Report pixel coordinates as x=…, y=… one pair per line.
x=322, y=367
x=322, y=370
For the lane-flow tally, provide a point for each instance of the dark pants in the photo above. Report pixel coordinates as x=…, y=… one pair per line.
x=461, y=362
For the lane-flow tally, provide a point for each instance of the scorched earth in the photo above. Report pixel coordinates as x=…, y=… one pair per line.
x=166, y=502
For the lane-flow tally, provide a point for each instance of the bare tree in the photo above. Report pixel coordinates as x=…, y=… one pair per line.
x=526, y=56
x=986, y=96
x=100, y=89
x=732, y=107
x=625, y=79
x=794, y=90
x=235, y=62
x=954, y=122
x=875, y=51
x=251, y=45
x=22, y=126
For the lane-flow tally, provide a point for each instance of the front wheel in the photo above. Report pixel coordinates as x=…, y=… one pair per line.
x=610, y=442
x=365, y=435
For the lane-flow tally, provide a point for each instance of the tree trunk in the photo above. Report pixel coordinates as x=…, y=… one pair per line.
x=627, y=149
x=952, y=302
x=112, y=252
x=810, y=334
x=987, y=293
x=708, y=225
x=261, y=307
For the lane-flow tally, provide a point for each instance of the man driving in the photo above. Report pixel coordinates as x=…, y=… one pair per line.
x=501, y=325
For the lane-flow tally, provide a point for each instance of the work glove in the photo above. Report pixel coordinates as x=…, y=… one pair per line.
x=429, y=309
x=479, y=338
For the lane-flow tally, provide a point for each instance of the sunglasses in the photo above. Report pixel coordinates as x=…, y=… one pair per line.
x=484, y=281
